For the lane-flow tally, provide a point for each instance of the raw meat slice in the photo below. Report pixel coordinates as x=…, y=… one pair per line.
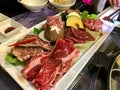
x=93, y=24
x=78, y=36
x=52, y=65
x=34, y=65
x=82, y=35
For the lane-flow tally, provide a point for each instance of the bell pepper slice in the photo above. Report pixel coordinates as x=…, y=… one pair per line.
x=22, y=42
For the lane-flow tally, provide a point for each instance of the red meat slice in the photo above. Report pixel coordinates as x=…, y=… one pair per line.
x=82, y=35
x=52, y=65
x=98, y=26
x=94, y=24
x=89, y=23
x=64, y=50
x=34, y=65
x=46, y=75
x=62, y=70
x=78, y=36
x=69, y=35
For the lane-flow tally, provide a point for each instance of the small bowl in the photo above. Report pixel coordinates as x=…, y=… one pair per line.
x=33, y=5
x=3, y=17
x=61, y=6
x=9, y=23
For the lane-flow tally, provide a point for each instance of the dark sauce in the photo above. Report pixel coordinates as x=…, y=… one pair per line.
x=9, y=29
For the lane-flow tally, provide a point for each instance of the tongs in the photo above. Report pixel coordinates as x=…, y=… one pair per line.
x=111, y=17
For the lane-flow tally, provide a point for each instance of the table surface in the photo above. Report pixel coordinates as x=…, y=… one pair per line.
x=29, y=19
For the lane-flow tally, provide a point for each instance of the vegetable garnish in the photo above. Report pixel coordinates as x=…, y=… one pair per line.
x=63, y=16
x=13, y=60
x=86, y=15
x=37, y=30
x=22, y=42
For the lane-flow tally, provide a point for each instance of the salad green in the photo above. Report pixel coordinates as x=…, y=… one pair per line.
x=13, y=60
x=37, y=30
x=86, y=15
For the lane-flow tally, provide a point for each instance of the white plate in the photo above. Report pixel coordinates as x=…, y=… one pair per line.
x=42, y=36
x=68, y=78
x=3, y=17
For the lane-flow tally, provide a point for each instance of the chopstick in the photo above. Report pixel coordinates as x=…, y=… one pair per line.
x=112, y=15
x=115, y=13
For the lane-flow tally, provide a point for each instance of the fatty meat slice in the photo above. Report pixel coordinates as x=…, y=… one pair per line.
x=58, y=61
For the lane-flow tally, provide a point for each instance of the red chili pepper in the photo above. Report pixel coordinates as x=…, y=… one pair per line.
x=22, y=42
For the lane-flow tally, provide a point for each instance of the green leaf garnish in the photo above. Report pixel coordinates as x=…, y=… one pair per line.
x=86, y=15
x=37, y=30
x=13, y=60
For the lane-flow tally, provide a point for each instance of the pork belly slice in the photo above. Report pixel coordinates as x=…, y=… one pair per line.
x=56, y=63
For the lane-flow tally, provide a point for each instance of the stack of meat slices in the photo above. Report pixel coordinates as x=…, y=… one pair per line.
x=29, y=46
x=45, y=69
x=78, y=36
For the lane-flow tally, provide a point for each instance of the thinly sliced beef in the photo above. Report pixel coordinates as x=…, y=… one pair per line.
x=34, y=65
x=82, y=35
x=69, y=36
x=98, y=26
x=46, y=75
x=62, y=70
x=55, y=64
x=93, y=24
x=89, y=23
x=78, y=36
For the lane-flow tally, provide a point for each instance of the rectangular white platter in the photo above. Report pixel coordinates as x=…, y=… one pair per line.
x=69, y=77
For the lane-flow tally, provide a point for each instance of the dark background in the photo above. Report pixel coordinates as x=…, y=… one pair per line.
x=11, y=7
